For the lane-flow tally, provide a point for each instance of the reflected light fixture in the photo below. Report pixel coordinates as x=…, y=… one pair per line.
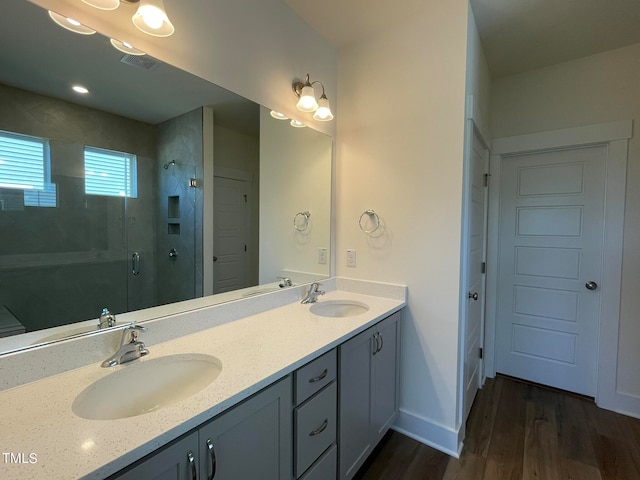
x=307, y=100
x=103, y=4
x=151, y=18
x=297, y=124
x=125, y=47
x=80, y=89
x=278, y=115
x=70, y=24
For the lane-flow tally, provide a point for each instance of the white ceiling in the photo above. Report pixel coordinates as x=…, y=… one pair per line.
x=517, y=35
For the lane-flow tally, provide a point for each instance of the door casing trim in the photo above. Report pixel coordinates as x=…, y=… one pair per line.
x=615, y=136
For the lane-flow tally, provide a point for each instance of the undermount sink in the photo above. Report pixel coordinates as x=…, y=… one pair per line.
x=338, y=308
x=142, y=387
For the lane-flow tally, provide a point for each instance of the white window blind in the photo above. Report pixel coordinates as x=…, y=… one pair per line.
x=24, y=161
x=109, y=173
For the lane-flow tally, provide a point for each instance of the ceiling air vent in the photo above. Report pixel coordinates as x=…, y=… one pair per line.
x=141, y=61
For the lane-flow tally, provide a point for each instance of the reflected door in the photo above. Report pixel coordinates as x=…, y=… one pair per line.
x=551, y=234
x=232, y=219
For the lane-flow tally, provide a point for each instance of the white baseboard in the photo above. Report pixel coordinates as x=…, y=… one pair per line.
x=620, y=402
x=426, y=431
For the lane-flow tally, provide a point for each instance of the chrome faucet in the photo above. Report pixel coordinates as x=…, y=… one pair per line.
x=313, y=293
x=285, y=282
x=130, y=347
x=107, y=319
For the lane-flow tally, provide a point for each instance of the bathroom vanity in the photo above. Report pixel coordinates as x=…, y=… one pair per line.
x=298, y=395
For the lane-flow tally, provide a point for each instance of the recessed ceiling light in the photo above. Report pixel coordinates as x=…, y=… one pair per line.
x=70, y=24
x=80, y=89
x=126, y=47
x=278, y=115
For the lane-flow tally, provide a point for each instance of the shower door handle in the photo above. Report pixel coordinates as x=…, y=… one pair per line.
x=135, y=263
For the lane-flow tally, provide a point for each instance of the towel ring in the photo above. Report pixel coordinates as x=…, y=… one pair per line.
x=374, y=218
x=302, y=224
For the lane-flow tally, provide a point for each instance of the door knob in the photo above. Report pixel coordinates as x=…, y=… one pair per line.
x=473, y=295
x=591, y=285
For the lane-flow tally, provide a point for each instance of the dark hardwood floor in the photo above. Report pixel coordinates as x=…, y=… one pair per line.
x=521, y=431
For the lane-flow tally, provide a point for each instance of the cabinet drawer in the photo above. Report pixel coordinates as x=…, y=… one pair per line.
x=315, y=427
x=314, y=376
x=325, y=468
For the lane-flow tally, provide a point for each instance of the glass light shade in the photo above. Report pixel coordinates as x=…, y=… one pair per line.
x=323, y=113
x=297, y=124
x=70, y=24
x=307, y=102
x=103, y=4
x=125, y=47
x=278, y=115
x=152, y=19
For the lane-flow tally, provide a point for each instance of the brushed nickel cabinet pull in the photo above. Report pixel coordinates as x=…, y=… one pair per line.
x=319, y=377
x=322, y=428
x=212, y=456
x=192, y=466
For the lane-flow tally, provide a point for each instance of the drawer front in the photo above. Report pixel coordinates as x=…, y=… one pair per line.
x=325, y=468
x=314, y=376
x=315, y=427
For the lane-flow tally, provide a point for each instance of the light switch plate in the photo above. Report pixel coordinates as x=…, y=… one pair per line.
x=322, y=256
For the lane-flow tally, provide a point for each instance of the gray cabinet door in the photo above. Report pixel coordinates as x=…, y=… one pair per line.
x=178, y=461
x=368, y=397
x=385, y=377
x=355, y=402
x=252, y=441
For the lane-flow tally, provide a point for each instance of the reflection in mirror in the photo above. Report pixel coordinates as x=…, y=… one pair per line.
x=155, y=187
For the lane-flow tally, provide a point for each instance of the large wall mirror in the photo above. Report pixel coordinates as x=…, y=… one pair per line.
x=154, y=188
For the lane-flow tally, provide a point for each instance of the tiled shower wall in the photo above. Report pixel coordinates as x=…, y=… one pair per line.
x=63, y=264
x=180, y=140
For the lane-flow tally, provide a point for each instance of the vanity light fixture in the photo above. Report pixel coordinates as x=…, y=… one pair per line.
x=307, y=100
x=297, y=124
x=151, y=18
x=70, y=24
x=125, y=47
x=103, y=4
x=278, y=115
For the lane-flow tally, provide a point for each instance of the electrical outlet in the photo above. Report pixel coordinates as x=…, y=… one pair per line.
x=322, y=255
x=351, y=258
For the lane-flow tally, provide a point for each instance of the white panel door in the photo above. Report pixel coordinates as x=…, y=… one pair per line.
x=551, y=237
x=475, y=280
x=231, y=229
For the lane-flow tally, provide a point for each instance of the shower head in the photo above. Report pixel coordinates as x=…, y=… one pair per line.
x=166, y=165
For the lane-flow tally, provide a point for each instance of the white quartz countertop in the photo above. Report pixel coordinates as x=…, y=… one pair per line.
x=37, y=422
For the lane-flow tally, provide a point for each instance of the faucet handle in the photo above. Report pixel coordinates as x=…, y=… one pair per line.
x=130, y=333
x=134, y=326
x=106, y=319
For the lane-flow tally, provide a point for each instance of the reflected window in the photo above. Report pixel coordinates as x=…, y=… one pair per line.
x=25, y=171
x=110, y=173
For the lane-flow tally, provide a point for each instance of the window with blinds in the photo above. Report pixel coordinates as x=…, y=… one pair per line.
x=109, y=173
x=23, y=161
x=25, y=165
